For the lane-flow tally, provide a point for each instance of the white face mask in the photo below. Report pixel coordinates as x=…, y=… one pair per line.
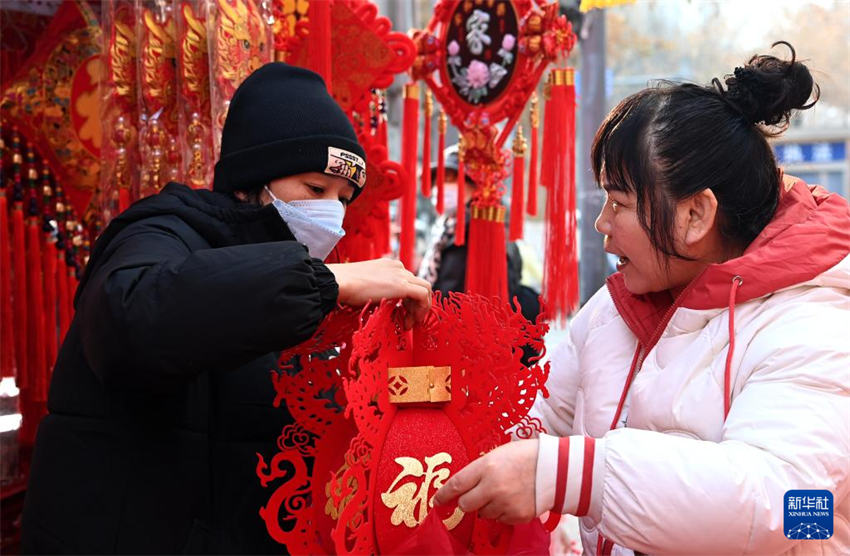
x=449, y=197
x=317, y=223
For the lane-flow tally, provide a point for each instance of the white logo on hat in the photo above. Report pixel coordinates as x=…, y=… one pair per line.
x=347, y=165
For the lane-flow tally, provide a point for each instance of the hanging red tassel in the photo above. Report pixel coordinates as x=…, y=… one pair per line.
x=426, y=146
x=36, y=353
x=20, y=293
x=319, y=47
x=123, y=199
x=547, y=168
x=557, y=269
x=517, y=191
x=49, y=265
x=408, y=159
x=460, y=226
x=532, y=163
x=486, y=271
x=64, y=295
x=441, y=164
x=36, y=348
x=382, y=119
x=572, y=278
x=7, y=357
x=19, y=262
x=7, y=338
x=50, y=326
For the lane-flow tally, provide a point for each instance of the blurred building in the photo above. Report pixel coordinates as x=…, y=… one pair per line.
x=815, y=148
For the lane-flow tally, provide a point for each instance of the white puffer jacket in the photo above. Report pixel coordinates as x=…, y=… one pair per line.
x=675, y=475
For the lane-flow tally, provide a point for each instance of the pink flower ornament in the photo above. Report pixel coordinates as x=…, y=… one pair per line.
x=478, y=74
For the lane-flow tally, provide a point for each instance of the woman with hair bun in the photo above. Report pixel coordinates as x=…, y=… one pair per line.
x=711, y=375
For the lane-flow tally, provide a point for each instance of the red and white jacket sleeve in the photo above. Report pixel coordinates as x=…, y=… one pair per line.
x=570, y=470
x=567, y=466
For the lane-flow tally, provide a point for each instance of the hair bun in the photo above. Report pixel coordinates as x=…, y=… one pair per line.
x=767, y=89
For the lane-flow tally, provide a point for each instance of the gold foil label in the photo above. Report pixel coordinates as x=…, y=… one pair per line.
x=426, y=384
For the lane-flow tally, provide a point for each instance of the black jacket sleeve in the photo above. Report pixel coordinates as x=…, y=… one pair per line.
x=157, y=311
x=451, y=273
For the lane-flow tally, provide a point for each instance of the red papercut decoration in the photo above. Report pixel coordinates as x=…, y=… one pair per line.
x=373, y=497
x=310, y=385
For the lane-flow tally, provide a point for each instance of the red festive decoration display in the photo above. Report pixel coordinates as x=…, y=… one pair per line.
x=118, y=109
x=35, y=262
x=53, y=100
x=240, y=40
x=411, y=407
x=365, y=55
x=193, y=77
x=103, y=114
x=483, y=61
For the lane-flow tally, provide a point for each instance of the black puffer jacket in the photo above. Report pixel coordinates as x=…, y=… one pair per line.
x=161, y=396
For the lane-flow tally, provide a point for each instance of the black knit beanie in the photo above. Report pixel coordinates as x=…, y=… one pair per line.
x=282, y=121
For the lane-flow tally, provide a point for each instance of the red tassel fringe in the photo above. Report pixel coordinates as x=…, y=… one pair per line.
x=408, y=160
x=533, y=161
x=441, y=165
x=64, y=295
x=123, y=199
x=50, y=326
x=572, y=282
x=426, y=147
x=460, y=227
x=7, y=357
x=486, y=268
x=20, y=293
x=35, y=330
x=560, y=279
x=517, y=191
x=547, y=161
x=319, y=51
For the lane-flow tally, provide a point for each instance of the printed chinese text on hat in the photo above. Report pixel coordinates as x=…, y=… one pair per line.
x=282, y=121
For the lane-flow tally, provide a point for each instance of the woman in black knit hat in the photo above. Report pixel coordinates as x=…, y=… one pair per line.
x=161, y=396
